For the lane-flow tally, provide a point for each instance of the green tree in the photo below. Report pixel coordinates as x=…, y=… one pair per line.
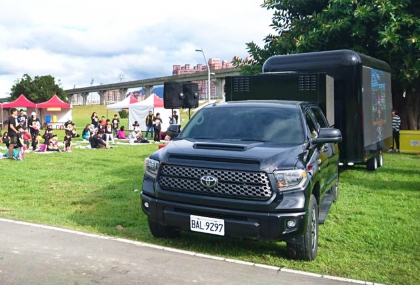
x=39, y=89
x=385, y=29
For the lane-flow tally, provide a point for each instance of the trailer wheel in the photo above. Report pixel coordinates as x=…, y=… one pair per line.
x=372, y=164
x=308, y=249
x=162, y=231
x=380, y=159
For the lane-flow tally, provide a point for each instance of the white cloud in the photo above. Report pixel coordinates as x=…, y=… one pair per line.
x=75, y=41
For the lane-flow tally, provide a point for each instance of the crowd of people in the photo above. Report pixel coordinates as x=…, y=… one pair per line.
x=24, y=133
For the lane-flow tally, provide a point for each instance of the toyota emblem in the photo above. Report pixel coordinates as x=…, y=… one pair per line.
x=208, y=181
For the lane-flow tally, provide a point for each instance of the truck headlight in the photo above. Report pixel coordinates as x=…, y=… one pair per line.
x=289, y=179
x=151, y=167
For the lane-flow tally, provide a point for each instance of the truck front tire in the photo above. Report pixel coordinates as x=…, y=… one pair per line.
x=162, y=231
x=307, y=250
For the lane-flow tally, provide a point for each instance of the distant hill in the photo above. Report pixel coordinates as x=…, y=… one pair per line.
x=158, y=90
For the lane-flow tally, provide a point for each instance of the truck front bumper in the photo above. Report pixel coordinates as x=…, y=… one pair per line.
x=246, y=224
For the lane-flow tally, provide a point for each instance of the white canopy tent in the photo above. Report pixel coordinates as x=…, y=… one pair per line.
x=123, y=104
x=139, y=111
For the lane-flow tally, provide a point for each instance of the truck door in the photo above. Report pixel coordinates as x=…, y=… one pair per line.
x=330, y=149
x=321, y=156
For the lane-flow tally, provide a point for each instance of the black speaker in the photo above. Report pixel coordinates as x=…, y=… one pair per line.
x=173, y=96
x=190, y=90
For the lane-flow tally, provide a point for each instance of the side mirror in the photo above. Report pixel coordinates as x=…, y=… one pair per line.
x=327, y=135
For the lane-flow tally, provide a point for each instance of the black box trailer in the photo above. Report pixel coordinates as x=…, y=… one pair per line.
x=354, y=91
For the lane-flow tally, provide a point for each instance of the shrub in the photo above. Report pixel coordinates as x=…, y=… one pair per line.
x=123, y=114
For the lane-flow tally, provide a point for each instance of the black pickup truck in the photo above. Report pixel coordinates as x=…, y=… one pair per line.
x=266, y=170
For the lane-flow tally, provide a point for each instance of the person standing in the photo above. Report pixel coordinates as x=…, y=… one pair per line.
x=34, y=126
x=396, y=123
x=23, y=118
x=174, y=119
x=12, y=131
x=115, y=125
x=94, y=120
x=149, y=123
x=108, y=132
x=157, y=125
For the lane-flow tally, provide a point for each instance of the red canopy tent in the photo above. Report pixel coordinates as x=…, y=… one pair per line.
x=57, y=111
x=54, y=102
x=22, y=101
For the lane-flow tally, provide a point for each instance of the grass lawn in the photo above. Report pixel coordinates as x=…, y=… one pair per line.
x=370, y=234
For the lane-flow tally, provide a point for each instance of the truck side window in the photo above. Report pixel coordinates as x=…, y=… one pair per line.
x=319, y=116
x=311, y=125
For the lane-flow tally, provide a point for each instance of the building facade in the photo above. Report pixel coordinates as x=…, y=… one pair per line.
x=214, y=63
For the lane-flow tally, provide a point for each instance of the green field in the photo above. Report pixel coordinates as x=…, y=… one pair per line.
x=371, y=233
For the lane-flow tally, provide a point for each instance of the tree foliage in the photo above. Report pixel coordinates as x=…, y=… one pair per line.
x=37, y=90
x=385, y=29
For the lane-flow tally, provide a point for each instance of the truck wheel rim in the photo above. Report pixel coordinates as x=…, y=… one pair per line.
x=313, y=228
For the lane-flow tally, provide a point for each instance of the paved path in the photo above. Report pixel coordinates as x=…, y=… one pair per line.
x=36, y=254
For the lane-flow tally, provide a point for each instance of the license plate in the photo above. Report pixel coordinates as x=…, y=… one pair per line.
x=207, y=225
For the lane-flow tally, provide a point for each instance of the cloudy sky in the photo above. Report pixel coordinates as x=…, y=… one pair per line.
x=77, y=41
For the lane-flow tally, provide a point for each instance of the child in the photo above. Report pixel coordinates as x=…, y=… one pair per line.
x=19, y=142
x=48, y=135
x=27, y=138
x=37, y=142
x=108, y=132
x=6, y=139
x=53, y=144
x=121, y=133
x=67, y=143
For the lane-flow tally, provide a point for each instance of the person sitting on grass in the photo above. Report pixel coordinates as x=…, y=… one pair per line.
x=47, y=136
x=53, y=144
x=86, y=132
x=96, y=140
x=37, y=142
x=71, y=130
x=136, y=137
x=6, y=139
x=121, y=133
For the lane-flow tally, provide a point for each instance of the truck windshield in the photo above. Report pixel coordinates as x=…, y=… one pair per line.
x=245, y=123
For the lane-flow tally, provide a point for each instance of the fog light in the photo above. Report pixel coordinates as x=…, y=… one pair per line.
x=291, y=224
x=146, y=204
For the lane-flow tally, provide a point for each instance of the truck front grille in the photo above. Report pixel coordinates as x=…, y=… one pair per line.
x=233, y=184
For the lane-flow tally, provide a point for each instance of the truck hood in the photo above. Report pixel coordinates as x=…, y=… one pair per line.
x=246, y=155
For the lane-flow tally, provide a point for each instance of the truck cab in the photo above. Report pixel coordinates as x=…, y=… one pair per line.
x=265, y=170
